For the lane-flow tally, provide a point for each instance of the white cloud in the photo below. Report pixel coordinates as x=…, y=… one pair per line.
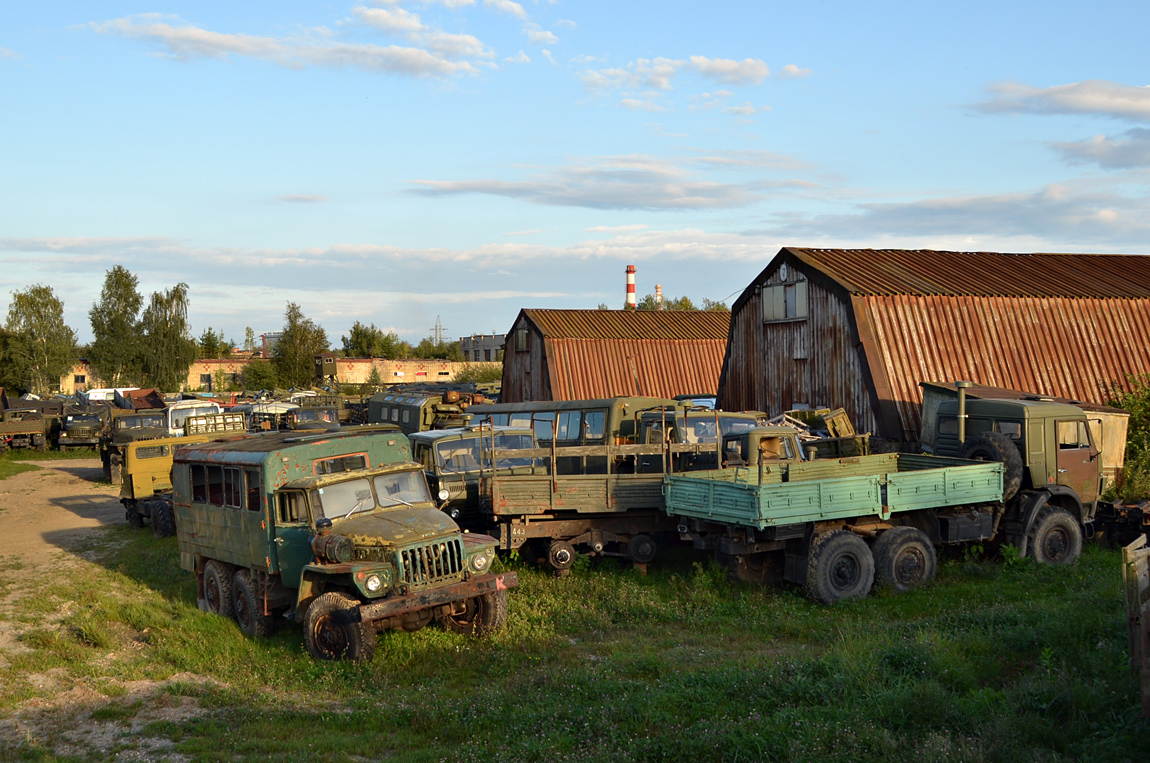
x=1130, y=149
x=709, y=100
x=648, y=73
x=736, y=159
x=538, y=35
x=522, y=58
x=397, y=21
x=516, y=234
x=614, y=182
x=583, y=58
x=640, y=104
x=749, y=71
x=1101, y=97
x=453, y=4
x=615, y=228
x=567, y=24
x=746, y=109
x=11, y=54
x=547, y=54
x=790, y=71
x=185, y=42
x=303, y=198
x=508, y=7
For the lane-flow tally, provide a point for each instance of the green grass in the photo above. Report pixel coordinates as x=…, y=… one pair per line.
x=9, y=468
x=992, y=663
x=31, y=454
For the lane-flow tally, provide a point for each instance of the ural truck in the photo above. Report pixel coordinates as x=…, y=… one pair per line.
x=836, y=526
x=146, y=479
x=20, y=428
x=128, y=426
x=337, y=531
x=80, y=430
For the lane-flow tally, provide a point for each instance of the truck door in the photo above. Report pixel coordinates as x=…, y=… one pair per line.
x=293, y=536
x=1077, y=459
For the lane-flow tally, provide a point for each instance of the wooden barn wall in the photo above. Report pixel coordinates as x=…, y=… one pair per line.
x=525, y=376
x=772, y=367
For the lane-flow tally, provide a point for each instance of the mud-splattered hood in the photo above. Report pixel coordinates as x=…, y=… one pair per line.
x=398, y=526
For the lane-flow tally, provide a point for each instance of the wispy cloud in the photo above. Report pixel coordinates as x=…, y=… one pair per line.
x=516, y=234
x=746, y=110
x=567, y=24
x=183, y=41
x=508, y=7
x=303, y=198
x=641, y=104
x=615, y=228
x=538, y=35
x=750, y=158
x=615, y=182
x=1130, y=149
x=749, y=71
x=790, y=71
x=1101, y=97
x=521, y=58
x=9, y=54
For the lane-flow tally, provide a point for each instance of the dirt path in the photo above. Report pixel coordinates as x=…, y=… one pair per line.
x=47, y=512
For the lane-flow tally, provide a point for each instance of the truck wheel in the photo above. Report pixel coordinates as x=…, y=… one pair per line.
x=218, y=589
x=163, y=519
x=641, y=549
x=904, y=559
x=482, y=615
x=41, y=445
x=995, y=446
x=247, y=608
x=132, y=513
x=115, y=472
x=560, y=554
x=332, y=629
x=1055, y=537
x=839, y=566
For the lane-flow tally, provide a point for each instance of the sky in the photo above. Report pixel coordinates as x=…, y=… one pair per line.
x=401, y=161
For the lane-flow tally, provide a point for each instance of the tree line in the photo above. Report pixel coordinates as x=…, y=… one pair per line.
x=151, y=344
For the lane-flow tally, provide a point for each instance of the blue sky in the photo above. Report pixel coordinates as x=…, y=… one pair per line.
x=393, y=161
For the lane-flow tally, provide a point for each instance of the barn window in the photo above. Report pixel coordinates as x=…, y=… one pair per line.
x=521, y=339
x=785, y=302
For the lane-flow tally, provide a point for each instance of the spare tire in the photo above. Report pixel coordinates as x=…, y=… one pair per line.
x=995, y=446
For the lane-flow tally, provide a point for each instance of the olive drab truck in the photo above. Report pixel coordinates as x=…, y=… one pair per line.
x=337, y=531
x=1020, y=472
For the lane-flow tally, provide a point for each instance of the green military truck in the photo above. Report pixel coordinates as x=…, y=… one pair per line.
x=127, y=426
x=316, y=418
x=836, y=526
x=146, y=478
x=81, y=428
x=337, y=531
x=21, y=428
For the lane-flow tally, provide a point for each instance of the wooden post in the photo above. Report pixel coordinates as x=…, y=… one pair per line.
x=1136, y=582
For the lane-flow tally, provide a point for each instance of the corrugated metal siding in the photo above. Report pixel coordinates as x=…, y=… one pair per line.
x=1073, y=348
x=585, y=369
x=631, y=324
x=924, y=271
x=774, y=366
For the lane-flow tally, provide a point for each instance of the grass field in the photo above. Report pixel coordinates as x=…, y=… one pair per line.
x=995, y=662
x=10, y=467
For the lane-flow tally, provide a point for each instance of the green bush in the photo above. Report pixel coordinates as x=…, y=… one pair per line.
x=1134, y=482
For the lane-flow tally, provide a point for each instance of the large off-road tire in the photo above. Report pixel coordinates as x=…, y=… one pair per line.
x=560, y=555
x=218, y=589
x=995, y=446
x=40, y=443
x=163, y=519
x=1055, y=537
x=904, y=559
x=115, y=469
x=332, y=629
x=482, y=616
x=132, y=513
x=839, y=566
x=642, y=549
x=247, y=607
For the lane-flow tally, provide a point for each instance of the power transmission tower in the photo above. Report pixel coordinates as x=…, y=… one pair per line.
x=437, y=331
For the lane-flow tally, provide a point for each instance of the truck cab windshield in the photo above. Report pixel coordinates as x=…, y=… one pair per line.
x=342, y=499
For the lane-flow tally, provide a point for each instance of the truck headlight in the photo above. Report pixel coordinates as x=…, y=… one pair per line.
x=444, y=494
x=373, y=583
x=480, y=561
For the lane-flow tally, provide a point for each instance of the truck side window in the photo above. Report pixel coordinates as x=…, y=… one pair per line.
x=1073, y=435
x=216, y=485
x=255, y=488
x=291, y=507
x=233, y=487
x=199, y=484
x=341, y=463
x=544, y=424
x=948, y=426
x=569, y=426
x=593, y=425
x=1012, y=429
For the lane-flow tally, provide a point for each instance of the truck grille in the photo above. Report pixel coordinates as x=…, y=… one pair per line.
x=433, y=562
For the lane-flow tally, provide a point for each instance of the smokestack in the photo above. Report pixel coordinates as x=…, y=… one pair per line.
x=630, y=287
x=658, y=296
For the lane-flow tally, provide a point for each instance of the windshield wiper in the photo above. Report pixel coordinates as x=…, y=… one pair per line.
x=398, y=500
x=359, y=505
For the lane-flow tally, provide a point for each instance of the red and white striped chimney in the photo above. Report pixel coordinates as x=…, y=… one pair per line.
x=658, y=296
x=630, y=287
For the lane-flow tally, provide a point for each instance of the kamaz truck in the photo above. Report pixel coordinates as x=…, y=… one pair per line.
x=337, y=531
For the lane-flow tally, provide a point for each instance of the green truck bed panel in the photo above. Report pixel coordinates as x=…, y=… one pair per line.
x=905, y=483
x=579, y=493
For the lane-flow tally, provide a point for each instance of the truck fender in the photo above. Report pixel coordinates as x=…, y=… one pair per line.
x=313, y=582
x=1068, y=498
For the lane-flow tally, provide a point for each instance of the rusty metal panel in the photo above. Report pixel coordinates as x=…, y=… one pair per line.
x=886, y=272
x=1136, y=582
x=630, y=324
x=1070, y=348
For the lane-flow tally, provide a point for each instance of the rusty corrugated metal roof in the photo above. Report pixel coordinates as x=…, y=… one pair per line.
x=604, y=353
x=1071, y=348
x=631, y=324
x=1002, y=393
x=888, y=272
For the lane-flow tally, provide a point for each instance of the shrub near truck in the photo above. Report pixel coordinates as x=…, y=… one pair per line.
x=337, y=530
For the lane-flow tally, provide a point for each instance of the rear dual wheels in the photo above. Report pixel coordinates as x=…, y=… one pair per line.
x=247, y=606
x=217, y=589
x=904, y=559
x=839, y=566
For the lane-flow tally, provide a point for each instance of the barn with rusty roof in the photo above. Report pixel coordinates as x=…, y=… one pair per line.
x=589, y=354
x=861, y=328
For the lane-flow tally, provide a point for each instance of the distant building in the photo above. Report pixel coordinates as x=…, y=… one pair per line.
x=861, y=328
x=587, y=354
x=329, y=368
x=269, y=341
x=482, y=348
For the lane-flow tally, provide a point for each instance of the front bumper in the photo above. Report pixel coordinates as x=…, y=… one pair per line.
x=434, y=597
